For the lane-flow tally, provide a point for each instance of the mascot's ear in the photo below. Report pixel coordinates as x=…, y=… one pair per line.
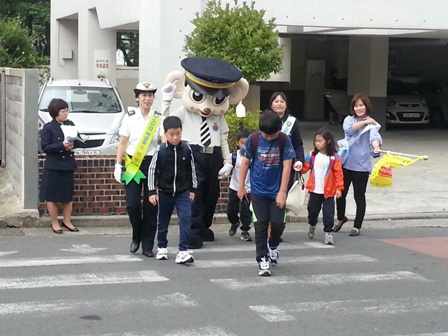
x=178, y=79
x=240, y=90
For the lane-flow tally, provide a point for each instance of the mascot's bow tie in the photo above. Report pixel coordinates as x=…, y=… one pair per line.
x=205, y=133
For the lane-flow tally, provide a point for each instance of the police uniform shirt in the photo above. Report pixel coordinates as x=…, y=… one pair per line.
x=192, y=125
x=134, y=126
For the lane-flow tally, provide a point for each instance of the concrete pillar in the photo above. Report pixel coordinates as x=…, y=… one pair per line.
x=367, y=71
x=163, y=26
x=97, y=48
x=64, y=54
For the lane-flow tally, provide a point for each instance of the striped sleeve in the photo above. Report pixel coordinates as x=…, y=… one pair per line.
x=152, y=181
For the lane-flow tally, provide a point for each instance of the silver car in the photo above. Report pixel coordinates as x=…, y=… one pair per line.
x=404, y=105
x=95, y=108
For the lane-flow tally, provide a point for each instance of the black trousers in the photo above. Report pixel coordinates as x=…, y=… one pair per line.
x=143, y=218
x=359, y=181
x=265, y=211
x=235, y=207
x=207, y=193
x=317, y=202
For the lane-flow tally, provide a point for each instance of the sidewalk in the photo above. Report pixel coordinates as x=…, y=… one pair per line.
x=419, y=191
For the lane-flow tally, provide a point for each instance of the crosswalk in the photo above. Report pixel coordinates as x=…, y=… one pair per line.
x=26, y=275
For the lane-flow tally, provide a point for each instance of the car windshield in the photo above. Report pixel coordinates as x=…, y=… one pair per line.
x=82, y=99
x=399, y=89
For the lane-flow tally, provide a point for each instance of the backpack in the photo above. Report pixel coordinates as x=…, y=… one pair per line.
x=254, y=138
x=162, y=154
x=332, y=159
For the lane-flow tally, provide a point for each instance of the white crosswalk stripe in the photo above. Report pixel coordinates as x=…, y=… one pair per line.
x=85, y=279
x=333, y=259
x=77, y=260
x=205, y=331
x=273, y=313
x=251, y=248
x=45, y=308
x=431, y=334
x=320, y=279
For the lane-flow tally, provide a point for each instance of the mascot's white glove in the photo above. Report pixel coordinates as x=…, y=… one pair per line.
x=225, y=170
x=168, y=92
x=117, y=172
x=297, y=166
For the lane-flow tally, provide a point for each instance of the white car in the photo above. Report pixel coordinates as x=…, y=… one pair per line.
x=404, y=106
x=95, y=107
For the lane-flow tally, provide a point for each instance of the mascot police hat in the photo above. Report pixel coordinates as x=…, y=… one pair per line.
x=144, y=87
x=211, y=76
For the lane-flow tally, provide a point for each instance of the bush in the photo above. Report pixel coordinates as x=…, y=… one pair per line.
x=16, y=47
x=249, y=122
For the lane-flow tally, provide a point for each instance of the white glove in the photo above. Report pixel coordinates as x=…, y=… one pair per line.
x=297, y=166
x=168, y=92
x=117, y=172
x=225, y=170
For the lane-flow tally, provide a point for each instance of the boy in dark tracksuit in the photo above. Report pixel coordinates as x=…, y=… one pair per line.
x=172, y=172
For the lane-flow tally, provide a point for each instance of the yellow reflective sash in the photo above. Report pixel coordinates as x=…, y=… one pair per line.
x=133, y=165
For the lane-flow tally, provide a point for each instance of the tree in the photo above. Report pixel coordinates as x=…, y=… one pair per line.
x=34, y=16
x=16, y=49
x=238, y=35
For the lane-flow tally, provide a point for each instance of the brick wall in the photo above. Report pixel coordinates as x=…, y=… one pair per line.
x=97, y=192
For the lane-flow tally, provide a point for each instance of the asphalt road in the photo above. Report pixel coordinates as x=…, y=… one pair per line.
x=386, y=282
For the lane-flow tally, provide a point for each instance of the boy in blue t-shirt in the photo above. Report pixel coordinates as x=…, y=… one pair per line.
x=269, y=176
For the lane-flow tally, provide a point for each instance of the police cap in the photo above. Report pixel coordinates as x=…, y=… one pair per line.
x=211, y=76
x=144, y=87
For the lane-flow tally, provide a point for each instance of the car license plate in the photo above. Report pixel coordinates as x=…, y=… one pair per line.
x=411, y=115
x=87, y=152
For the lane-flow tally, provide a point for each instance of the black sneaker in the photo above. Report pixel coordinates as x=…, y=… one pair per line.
x=148, y=253
x=233, y=228
x=311, y=231
x=245, y=236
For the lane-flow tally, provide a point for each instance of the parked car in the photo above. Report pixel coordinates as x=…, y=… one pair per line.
x=95, y=107
x=404, y=105
x=336, y=100
x=436, y=95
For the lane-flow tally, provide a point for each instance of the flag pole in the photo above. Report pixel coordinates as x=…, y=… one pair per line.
x=424, y=157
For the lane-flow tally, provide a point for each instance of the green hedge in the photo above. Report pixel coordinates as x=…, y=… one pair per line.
x=250, y=123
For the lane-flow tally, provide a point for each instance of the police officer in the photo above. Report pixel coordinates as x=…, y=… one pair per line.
x=140, y=133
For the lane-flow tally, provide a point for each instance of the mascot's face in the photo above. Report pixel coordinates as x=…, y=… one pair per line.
x=205, y=105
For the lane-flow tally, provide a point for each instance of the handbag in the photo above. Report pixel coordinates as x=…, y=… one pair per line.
x=296, y=195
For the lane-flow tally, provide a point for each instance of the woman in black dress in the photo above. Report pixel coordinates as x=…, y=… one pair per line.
x=58, y=176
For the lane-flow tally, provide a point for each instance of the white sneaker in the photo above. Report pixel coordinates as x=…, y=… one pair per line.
x=329, y=238
x=263, y=267
x=273, y=255
x=162, y=253
x=184, y=257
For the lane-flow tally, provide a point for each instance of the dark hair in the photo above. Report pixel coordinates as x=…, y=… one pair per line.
x=56, y=105
x=242, y=134
x=269, y=122
x=332, y=147
x=172, y=122
x=366, y=101
x=275, y=95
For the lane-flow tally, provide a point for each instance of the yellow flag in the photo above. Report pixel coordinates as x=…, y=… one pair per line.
x=381, y=176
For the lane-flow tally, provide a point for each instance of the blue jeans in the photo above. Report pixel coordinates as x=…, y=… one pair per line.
x=183, y=208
